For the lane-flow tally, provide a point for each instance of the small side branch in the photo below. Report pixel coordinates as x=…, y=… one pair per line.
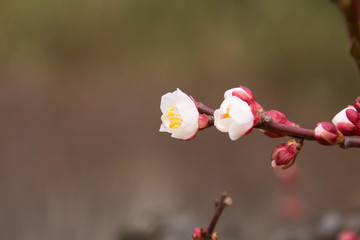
x=220, y=205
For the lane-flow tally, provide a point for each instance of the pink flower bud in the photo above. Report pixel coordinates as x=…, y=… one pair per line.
x=280, y=118
x=196, y=234
x=203, y=121
x=284, y=155
x=347, y=235
x=357, y=104
x=327, y=134
x=348, y=121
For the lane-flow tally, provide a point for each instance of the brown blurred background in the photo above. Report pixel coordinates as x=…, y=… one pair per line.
x=80, y=152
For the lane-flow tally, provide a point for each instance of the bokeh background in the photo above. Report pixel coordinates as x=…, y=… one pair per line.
x=80, y=152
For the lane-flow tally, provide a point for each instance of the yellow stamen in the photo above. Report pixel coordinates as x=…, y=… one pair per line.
x=175, y=120
x=226, y=115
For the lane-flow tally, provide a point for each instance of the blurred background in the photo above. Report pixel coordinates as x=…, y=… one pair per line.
x=80, y=152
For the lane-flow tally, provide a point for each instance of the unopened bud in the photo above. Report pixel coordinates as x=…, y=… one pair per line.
x=348, y=121
x=203, y=121
x=196, y=234
x=327, y=134
x=280, y=118
x=284, y=155
x=347, y=235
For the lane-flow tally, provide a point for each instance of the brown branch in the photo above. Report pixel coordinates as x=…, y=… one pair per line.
x=267, y=123
x=350, y=142
x=351, y=12
x=220, y=205
x=205, y=109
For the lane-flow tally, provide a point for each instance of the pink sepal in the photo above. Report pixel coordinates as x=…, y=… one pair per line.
x=347, y=129
x=194, y=101
x=353, y=117
x=203, y=121
x=247, y=96
x=280, y=118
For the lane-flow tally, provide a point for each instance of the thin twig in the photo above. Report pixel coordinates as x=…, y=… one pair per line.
x=220, y=205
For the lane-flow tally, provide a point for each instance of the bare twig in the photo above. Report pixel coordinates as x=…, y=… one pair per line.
x=220, y=205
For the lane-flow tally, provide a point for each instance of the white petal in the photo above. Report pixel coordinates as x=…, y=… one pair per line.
x=223, y=124
x=241, y=118
x=341, y=116
x=239, y=129
x=240, y=111
x=169, y=99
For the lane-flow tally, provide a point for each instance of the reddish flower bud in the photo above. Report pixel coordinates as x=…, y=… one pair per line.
x=196, y=234
x=327, y=134
x=347, y=235
x=203, y=121
x=280, y=118
x=357, y=104
x=348, y=121
x=284, y=155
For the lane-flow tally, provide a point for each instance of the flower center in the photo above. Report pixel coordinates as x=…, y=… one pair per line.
x=226, y=115
x=175, y=120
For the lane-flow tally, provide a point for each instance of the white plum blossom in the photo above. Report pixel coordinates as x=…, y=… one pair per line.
x=234, y=116
x=180, y=115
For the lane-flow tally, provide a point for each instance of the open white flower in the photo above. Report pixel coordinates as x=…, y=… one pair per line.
x=180, y=115
x=234, y=117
